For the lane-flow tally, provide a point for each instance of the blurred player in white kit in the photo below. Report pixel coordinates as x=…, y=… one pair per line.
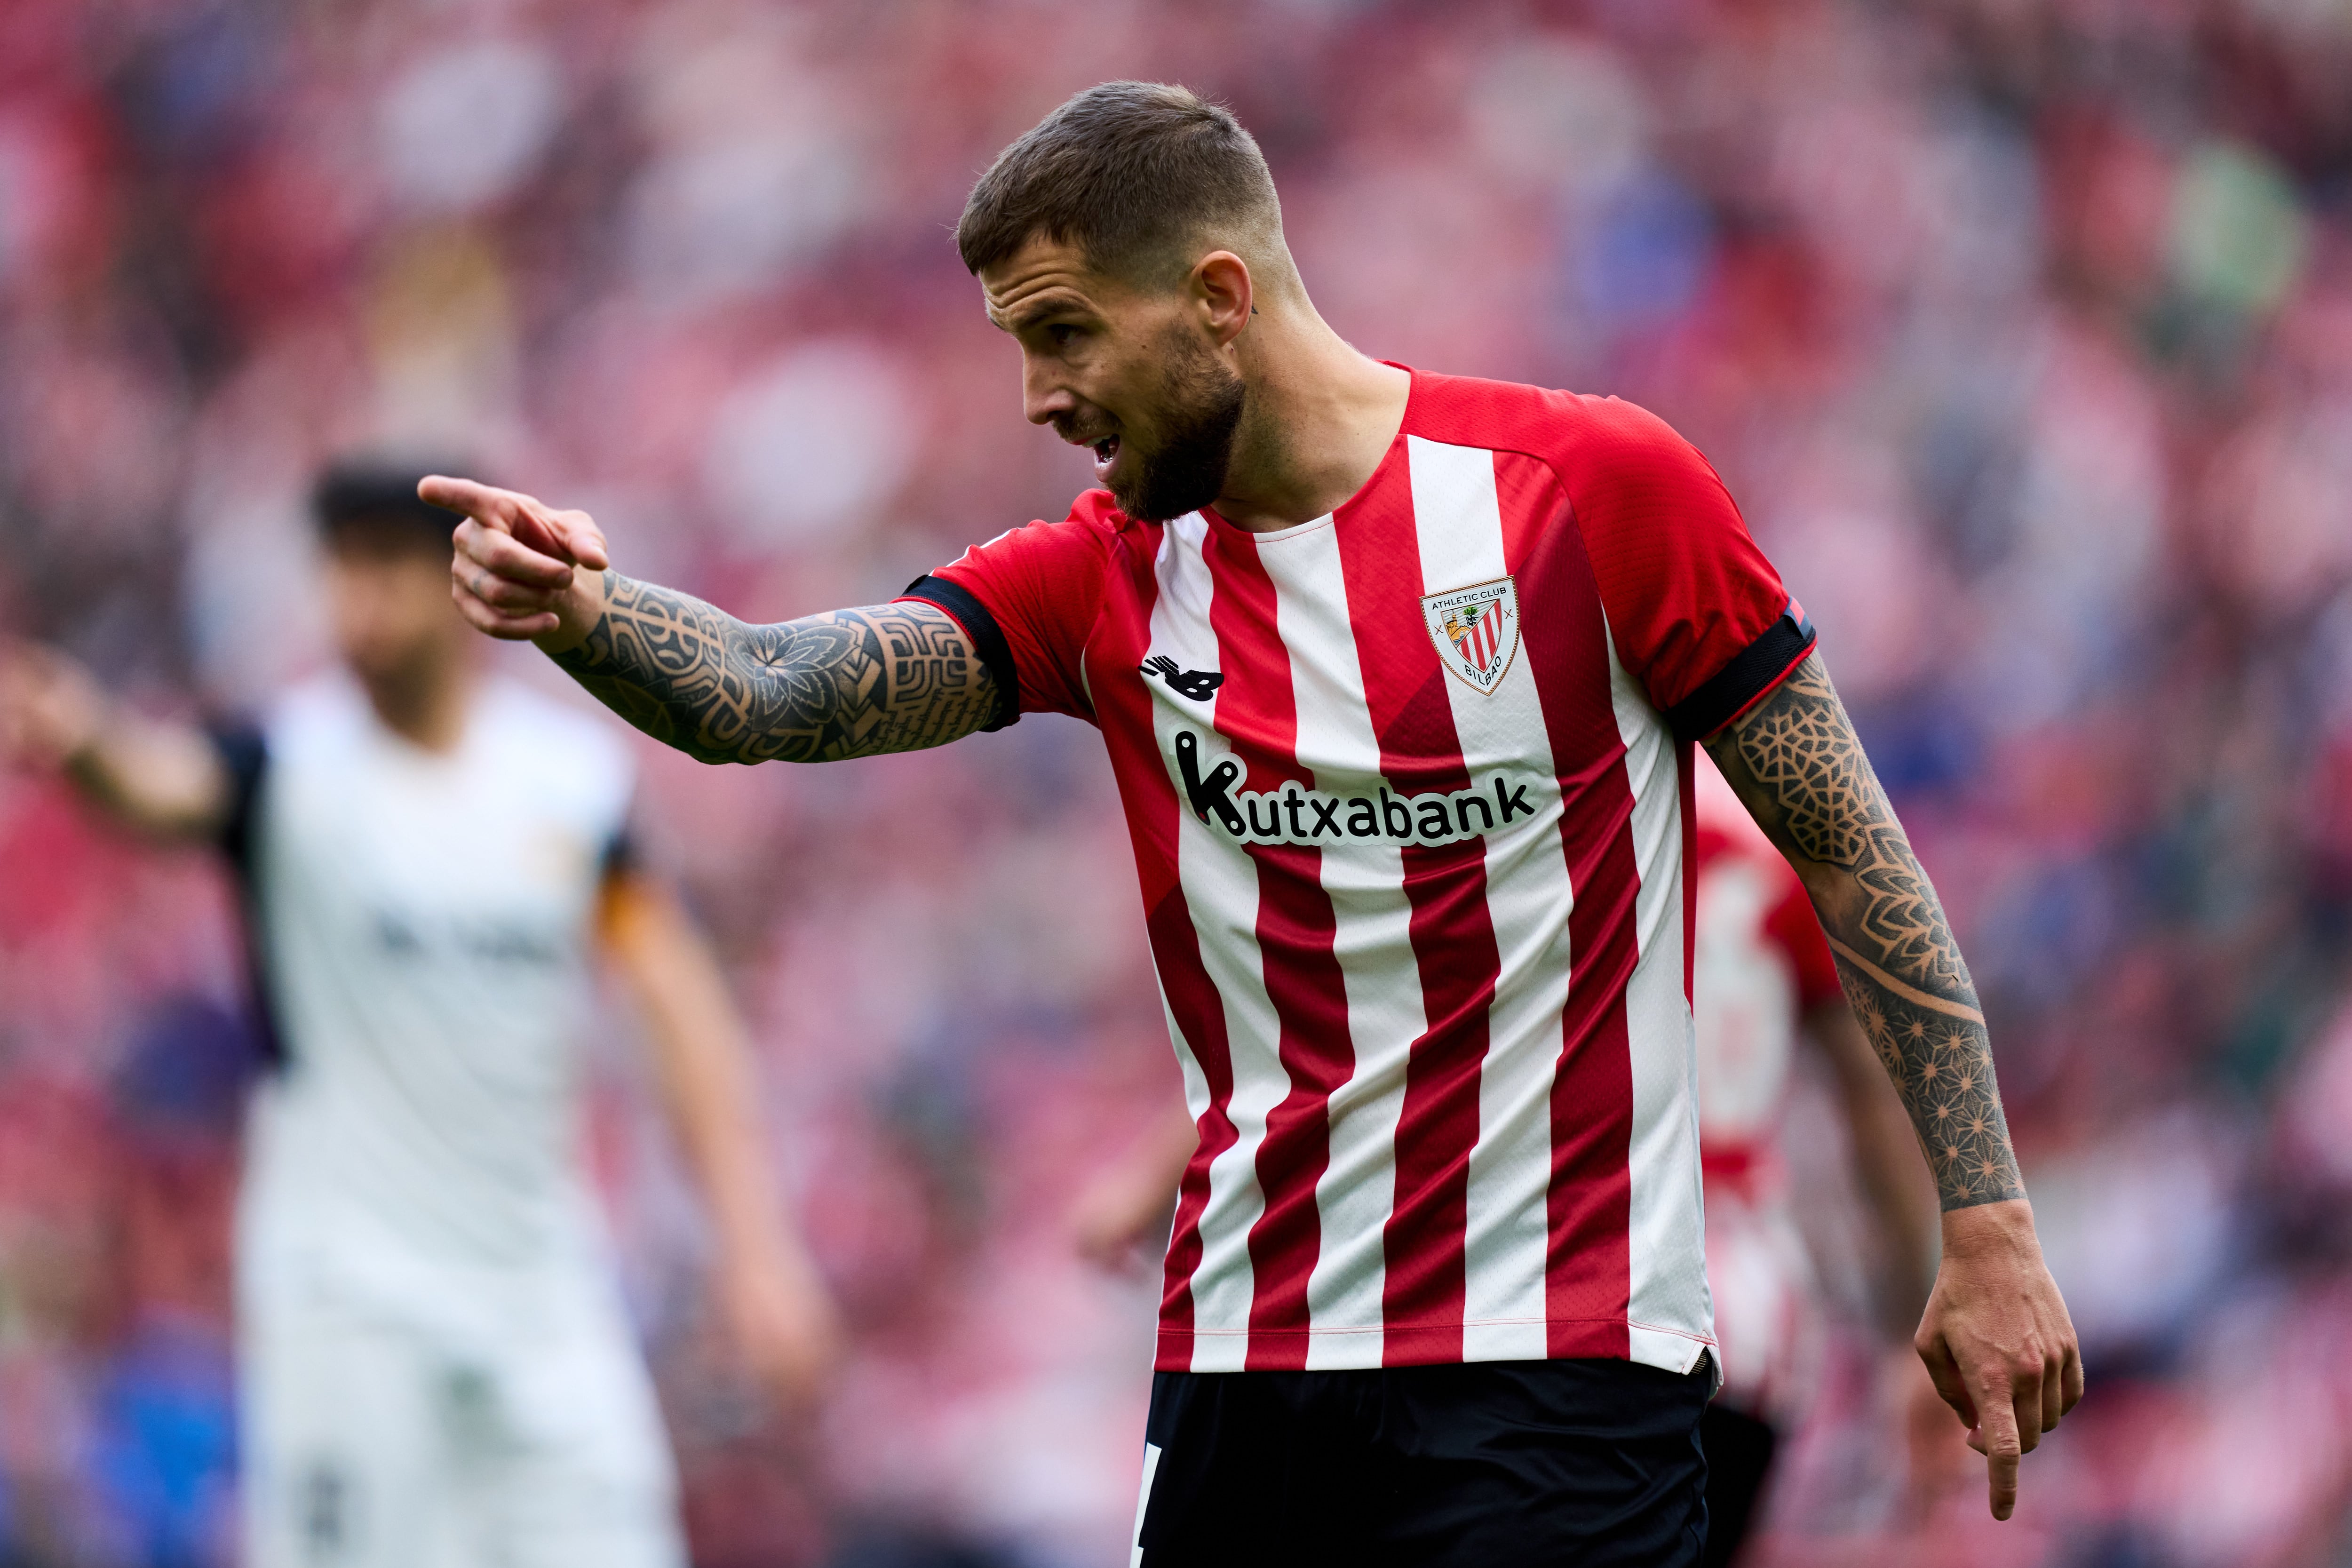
x=436, y=1370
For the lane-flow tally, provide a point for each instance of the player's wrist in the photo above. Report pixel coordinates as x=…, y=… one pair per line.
x=2003, y=1226
x=577, y=611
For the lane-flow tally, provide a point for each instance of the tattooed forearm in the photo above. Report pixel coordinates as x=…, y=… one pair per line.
x=852, y=683
x=1799, y=749
x=1794, y=758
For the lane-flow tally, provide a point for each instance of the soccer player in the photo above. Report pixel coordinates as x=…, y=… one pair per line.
x=1397, y=672
x=435, y=1366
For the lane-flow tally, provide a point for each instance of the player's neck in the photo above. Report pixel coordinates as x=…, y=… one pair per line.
x=1320, y=417
x=427, y=704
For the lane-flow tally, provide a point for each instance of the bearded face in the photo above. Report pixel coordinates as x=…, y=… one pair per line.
x=1168, y=453
x=1191, y=442
x=1123, y=368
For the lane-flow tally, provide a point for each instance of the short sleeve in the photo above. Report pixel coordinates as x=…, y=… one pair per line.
x=1699, y=615
x=1028, y=599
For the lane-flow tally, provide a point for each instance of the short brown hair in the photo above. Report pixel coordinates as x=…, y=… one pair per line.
x=1131, y=173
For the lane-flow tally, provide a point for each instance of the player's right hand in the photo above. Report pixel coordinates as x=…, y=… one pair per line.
x=521, y=568
x=51, y=711
x=1997, y=1340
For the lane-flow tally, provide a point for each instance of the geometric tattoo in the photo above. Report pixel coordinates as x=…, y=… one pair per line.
x=1795, y=761
x=851, y=683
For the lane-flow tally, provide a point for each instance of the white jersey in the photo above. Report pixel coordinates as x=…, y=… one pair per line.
x=422, y=922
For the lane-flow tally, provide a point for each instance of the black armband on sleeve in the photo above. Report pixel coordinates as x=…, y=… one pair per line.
x=1753, y=671
x=987, y=640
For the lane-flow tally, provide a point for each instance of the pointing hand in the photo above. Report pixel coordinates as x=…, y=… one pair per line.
x=1998, y=1342
x=521, y=568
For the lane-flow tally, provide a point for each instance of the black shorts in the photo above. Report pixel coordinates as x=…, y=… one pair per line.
x=1739, y=1449
x=1489, y=1464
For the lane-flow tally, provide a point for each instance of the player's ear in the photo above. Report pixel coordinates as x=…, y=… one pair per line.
x=1222, y=292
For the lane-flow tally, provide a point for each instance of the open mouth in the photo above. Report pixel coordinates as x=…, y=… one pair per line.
x=1105, y=447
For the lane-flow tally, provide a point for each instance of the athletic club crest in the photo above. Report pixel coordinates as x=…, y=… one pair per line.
x=1475, y=630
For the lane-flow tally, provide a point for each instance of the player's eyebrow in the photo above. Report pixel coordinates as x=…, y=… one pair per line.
x=1031, y=313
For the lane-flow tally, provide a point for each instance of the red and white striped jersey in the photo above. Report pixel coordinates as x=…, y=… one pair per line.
x=1409, y=790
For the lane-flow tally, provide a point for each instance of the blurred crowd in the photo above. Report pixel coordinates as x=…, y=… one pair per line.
x=2021, y=330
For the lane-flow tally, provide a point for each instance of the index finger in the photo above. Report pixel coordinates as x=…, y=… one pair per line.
x=2001, y=1452
x=484, y=503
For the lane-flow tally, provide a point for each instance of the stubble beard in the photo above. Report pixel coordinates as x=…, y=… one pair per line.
x=1204, y=401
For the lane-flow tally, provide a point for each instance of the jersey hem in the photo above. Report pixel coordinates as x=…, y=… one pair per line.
x=1552, y=1339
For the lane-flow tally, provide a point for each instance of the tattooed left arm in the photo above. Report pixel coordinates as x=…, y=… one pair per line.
x=1996, y=1335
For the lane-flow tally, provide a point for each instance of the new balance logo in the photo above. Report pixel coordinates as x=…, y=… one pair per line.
x=1197, y=685
x=1297, y=815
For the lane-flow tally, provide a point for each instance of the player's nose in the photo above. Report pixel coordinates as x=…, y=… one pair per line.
x=1044, y=396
